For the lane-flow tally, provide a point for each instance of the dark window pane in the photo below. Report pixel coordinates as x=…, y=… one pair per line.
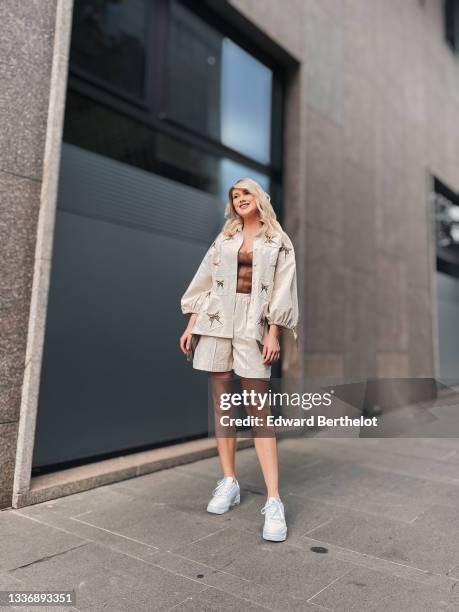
x=452, y=23
x=193, y=72
x=246, y=103
x=215, y=87
x=110, y=41
x=95, y=127
x=446, y=227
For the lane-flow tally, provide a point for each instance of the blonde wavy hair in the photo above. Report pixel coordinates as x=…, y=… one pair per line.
x=263, y=201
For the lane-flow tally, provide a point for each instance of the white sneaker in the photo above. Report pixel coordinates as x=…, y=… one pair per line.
x=226, y=494
x=275, y=527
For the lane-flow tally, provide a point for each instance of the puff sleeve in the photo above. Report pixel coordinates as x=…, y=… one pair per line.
x=283, y=305
x=200, y=284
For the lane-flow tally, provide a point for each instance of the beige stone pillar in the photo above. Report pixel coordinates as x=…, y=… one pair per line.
x=34, y=46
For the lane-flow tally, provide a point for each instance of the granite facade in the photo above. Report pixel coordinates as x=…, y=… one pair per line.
x=26, y=54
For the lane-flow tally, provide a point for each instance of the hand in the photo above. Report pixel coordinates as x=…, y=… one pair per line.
x=271, y=349
x=185, y=341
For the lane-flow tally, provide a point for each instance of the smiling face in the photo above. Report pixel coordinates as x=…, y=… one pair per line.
x=244, y=202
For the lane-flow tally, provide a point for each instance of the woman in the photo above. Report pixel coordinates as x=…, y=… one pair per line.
x=244, y=290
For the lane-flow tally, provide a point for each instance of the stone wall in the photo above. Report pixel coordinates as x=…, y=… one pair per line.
x=26, y=52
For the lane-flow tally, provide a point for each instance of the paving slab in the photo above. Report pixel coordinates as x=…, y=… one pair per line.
x=77, y=526
x=366, y=589
x=438, y=582
x=359, y=531
x=24, y=542
x=444, y=519
x=431, y=469
x=223, y=580
x=215, y=600
x=301, y=573
x=100, y=575
x=155, y=524
x=362, y=489
x=428, y=549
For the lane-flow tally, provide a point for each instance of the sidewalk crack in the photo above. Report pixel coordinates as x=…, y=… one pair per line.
x=46, y=557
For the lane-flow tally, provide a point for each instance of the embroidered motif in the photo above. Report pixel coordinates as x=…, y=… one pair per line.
x=220, y=283
x=229, y=237
x=285, y=249
x=213, y=317
x=264, y=288
x=269, y=239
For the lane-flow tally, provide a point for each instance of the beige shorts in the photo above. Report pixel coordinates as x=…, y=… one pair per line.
x=240, y=353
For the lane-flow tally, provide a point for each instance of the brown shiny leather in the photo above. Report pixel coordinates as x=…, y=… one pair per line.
x=244, y=272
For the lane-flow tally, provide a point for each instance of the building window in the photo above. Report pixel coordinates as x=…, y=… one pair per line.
x=215, y=87
x=165, y=86
x=452, y=23
x=446, y=220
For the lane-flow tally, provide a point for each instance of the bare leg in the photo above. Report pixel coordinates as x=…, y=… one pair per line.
x=221, y=382
x=264, y=436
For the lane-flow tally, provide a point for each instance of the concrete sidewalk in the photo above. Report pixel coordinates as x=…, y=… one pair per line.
x=385, y=510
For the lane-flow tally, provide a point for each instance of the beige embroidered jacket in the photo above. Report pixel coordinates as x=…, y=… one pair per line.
x=274, y=298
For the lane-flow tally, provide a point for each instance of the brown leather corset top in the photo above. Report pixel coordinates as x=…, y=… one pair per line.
x=244, y=272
